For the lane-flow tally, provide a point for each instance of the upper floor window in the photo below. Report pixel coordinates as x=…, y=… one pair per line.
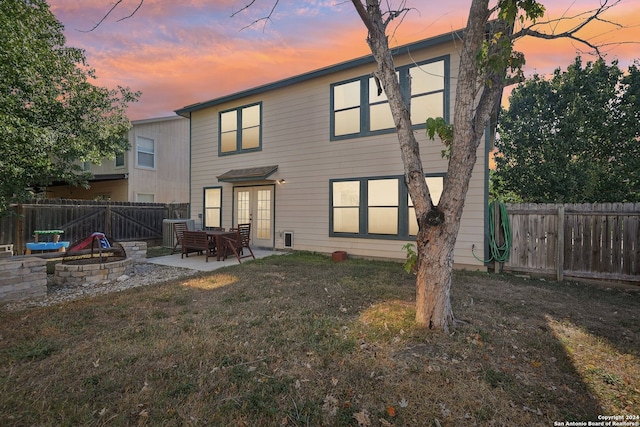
x=145, y=152
x=241, y=129
x=120, y=160
x=357, y=109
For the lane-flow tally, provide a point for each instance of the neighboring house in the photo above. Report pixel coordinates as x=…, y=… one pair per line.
x=313, y=161
x=155, y=169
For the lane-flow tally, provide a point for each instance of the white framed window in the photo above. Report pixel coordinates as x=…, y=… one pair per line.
x=145, y=152
x=145, y=198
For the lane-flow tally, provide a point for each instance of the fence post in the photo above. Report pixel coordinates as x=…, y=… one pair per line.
x=19, y=239
x=560, y=245
x=497, y=234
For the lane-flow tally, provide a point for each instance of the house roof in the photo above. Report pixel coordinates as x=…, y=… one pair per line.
x=248, y=174
x=369, y=59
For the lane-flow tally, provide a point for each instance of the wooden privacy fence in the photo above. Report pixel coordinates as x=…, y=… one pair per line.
x=121, y=221
x=583, y=241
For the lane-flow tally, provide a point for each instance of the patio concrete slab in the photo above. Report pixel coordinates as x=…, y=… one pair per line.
x=197, y=262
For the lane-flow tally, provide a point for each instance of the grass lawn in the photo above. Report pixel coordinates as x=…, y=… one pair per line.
x=299, y=340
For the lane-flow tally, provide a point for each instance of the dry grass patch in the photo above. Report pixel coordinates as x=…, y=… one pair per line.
x=299, y=340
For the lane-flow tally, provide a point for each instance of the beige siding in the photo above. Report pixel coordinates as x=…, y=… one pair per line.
x=168, y=181
x=295, y=136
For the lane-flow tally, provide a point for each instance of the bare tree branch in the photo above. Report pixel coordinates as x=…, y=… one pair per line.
x=132, y=13
x=266, y=19
x=591, y=15
x=115, y=5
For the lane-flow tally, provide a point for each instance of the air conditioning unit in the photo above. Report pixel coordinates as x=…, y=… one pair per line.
x=168, y=236
x=288, y=239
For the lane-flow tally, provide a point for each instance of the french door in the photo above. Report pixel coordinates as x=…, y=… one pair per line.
x=256, y=205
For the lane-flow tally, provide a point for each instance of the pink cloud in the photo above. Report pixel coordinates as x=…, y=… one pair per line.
x=178, y=53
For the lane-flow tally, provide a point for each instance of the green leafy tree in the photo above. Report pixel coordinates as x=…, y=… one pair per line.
x=573, y=138
x=51, y=116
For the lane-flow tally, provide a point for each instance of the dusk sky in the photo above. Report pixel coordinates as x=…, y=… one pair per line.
x=182, y=52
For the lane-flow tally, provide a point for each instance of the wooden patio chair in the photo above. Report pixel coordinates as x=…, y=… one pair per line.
x=178, y=229
x=239, y=242
x=197, y=241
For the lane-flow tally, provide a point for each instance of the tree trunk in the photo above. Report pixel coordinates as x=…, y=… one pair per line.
x=438, y=226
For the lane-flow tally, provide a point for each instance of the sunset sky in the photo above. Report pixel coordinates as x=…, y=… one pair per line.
x=182, y=52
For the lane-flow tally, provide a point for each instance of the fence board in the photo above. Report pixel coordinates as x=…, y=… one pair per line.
x=121, y=221
x=599, y=240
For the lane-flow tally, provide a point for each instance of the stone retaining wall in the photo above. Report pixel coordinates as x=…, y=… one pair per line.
x=137, y=251
x=25, y=277
x=22, y=278
x=81, y=274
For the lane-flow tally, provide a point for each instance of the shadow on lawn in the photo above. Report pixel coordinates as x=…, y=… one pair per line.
x=586, y=337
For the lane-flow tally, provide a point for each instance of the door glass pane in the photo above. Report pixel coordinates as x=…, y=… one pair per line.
x=263, y=223
x=243, y=206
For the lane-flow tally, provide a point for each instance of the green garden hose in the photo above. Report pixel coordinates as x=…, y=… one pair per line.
x=499, y=253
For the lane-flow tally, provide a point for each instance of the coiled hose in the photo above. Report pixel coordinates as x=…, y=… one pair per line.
x=499, y=253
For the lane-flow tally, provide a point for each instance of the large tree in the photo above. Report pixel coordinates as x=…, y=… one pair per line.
x=487, y=58
x=51, y=116
x=573, y=138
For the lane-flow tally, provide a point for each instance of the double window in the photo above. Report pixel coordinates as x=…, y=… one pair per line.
x=358, y=108
x=376, y=207
x=240, y=130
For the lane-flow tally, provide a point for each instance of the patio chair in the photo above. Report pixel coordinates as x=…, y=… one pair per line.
x=239, y=242
x=197, y=241
x=178, y=229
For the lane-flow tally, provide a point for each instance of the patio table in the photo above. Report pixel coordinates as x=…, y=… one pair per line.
x=217, y=236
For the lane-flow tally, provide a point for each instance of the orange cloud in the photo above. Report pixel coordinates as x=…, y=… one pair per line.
x=179, y=53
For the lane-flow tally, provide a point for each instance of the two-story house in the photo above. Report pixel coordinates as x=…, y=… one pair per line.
x=155, y=169
x=313, y=161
